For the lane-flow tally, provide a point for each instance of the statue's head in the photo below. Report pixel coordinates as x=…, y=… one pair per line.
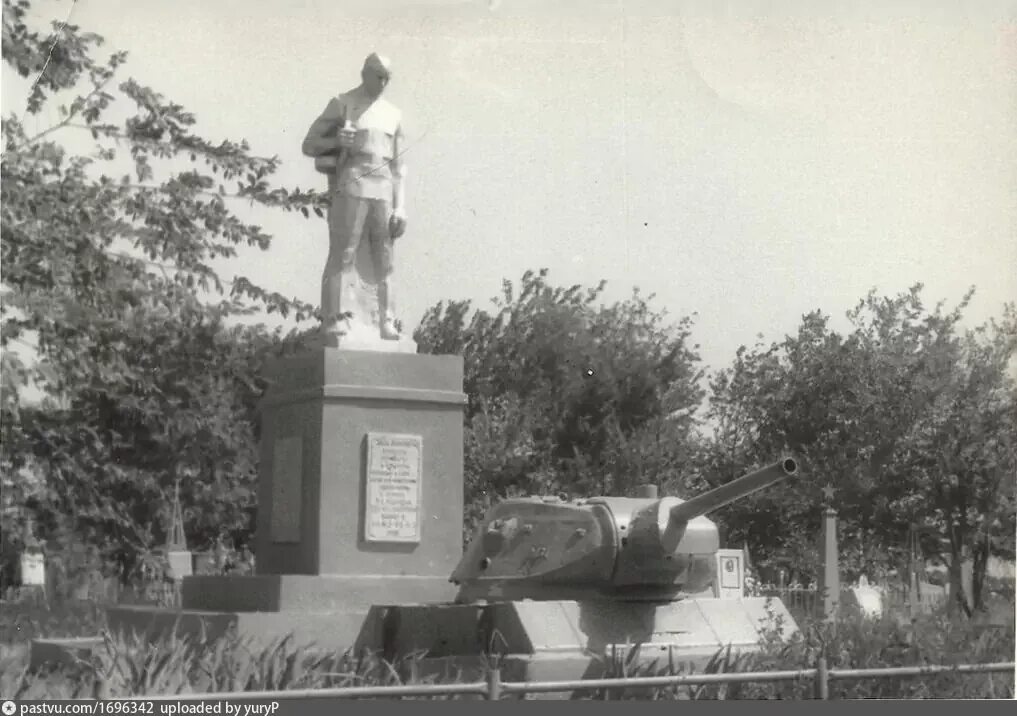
x=376, y=73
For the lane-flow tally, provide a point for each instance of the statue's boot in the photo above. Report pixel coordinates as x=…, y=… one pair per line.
x=333, y=329
x=333, y=289
x=389, y=332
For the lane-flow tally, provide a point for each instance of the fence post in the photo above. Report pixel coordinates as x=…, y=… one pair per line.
x=493, y=684
x=822, y=680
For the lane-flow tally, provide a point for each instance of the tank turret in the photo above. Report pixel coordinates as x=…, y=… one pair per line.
x=623, y=548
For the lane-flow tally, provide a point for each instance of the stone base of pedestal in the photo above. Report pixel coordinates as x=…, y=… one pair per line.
x=332, y=631
x=329, y=612
x=360, y=502
x=361, y=465
x=296, y=592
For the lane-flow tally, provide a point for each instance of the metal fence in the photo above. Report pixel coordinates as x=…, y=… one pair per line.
x=893, y=596
x=105, y=592
x=493, y=688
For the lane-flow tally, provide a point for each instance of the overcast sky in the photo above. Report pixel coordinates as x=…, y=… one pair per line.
x=749, y=161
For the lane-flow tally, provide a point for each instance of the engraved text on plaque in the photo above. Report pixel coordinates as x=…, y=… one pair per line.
x=393, y=488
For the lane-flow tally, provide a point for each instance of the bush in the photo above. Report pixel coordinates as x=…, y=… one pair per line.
x=860, y=642
x=857, y=642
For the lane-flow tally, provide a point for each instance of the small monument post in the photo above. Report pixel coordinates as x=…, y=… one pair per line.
x=33, y=565
x=179, y=558
x=830, y=581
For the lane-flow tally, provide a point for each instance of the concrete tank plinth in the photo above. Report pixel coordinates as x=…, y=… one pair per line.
x=568, y=640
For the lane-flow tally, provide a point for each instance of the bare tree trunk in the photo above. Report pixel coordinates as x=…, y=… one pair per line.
x=978, y=571
x=958, y=595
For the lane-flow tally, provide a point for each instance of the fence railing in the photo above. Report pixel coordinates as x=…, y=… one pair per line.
x=493, y=688
x=807, y=599
x=167, y=594
x=106, y=592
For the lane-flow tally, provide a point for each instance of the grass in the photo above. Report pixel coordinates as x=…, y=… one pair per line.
x=856, y=642
x=128, y=667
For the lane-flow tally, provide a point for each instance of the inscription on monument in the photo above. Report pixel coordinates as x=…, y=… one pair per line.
x=730, y=565
x=393, y=488
x=730, y=573
x=287, y=488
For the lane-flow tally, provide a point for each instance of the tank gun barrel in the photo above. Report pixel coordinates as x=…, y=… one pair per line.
x=734, y=490
x=679, y=516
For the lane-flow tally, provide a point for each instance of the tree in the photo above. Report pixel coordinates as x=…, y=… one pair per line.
x=908, y=416
x=791, y=397
x=109, y=268
x=563, y=393
x=956, y=469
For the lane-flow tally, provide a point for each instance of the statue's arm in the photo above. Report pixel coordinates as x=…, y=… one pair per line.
x=398, y=167
x=321, y=137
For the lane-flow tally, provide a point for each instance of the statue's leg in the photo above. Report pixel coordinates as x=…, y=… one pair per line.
x=346, y=220
x=382, y=255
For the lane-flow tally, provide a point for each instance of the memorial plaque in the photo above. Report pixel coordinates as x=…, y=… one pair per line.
x=730, y=573
x=730, y=581
x=33, y=569
x=287, y=488
x=181, y=564
x=393, y=497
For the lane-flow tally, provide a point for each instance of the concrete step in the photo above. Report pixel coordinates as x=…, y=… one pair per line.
x=334, y=631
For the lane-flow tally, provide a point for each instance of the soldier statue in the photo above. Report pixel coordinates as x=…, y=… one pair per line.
x=356, y=142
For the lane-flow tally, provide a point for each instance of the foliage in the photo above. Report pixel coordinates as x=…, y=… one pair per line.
x=860, y=642
x=855, y=642
x=129, y=667
x=111, y=261
x=565, y=394
x=910, y=418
